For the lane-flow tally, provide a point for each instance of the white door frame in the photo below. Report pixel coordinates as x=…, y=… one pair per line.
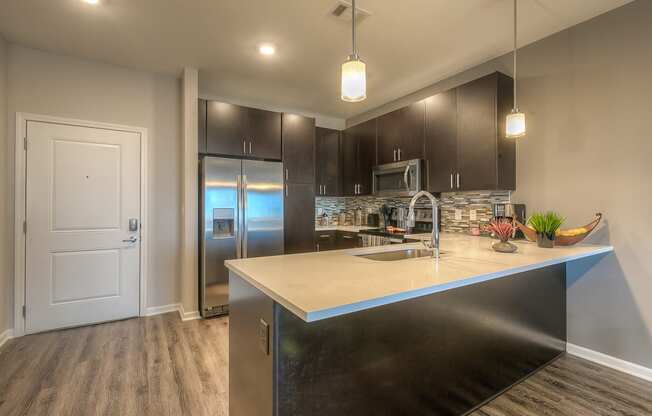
x=20, y=207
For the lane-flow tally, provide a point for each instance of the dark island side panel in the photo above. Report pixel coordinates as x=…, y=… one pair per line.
x=441, y=354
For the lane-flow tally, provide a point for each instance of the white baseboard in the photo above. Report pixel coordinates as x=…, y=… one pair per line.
x=188, y=316
x=635, y=370
x=6, y=336
x=157, y=310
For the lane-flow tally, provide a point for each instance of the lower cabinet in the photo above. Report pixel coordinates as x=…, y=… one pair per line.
x=336, y=240
x=299, y=213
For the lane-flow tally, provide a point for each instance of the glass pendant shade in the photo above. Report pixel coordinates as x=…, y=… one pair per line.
x=354, y=80
x=515, y=126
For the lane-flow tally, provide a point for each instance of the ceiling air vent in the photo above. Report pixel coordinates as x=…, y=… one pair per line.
x=342, y=12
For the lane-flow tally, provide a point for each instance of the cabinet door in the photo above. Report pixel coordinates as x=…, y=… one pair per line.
x=349, y=158
x=389, y=136
x=325, y=240
x=345, y=239
x=441, y=141
x=327, y=161
x=366, y=155
x=299, y=223
x=225, y=128
x=476, y=124
x=412, y=122
x=201, y=121
x=264, y=134
x=299, y=148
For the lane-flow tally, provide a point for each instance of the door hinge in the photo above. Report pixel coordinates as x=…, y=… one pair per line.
x=24, y=227
x=25, y=143
x=24, y=311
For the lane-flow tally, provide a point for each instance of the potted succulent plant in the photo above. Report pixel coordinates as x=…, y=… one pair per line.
x=546, y=226
x=504, y=230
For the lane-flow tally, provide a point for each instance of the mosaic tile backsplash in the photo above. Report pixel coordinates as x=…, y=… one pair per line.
x=456, y=208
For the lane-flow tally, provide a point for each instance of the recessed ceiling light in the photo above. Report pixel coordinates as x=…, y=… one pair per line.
x=267, y=49
x=91, y=1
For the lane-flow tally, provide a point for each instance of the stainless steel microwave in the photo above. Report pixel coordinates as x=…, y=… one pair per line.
x=404, y=178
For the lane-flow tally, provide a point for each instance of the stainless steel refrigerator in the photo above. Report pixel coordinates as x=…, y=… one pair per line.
x=242, y=216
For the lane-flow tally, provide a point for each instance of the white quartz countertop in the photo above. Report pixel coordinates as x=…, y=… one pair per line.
x=349, y=228
x=321, y=285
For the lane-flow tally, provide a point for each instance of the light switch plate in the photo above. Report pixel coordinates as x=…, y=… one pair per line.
x=473, y=215
x=263, y=336
x=458, y=215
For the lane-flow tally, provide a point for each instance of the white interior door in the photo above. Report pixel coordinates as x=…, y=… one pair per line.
x=82, y=260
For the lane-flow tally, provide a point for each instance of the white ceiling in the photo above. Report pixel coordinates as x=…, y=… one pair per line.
x=407, y=44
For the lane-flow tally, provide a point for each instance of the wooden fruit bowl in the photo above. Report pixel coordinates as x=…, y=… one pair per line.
x=563, y=237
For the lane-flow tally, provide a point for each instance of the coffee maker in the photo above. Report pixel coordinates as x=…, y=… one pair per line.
x=510, y=212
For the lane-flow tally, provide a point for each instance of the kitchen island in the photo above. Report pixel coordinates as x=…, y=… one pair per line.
x=336, y=333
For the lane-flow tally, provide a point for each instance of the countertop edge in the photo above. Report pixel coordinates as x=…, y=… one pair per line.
x=318, y=315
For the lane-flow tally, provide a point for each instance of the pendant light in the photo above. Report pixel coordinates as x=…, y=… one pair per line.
x=354, y=77
x=515, y=126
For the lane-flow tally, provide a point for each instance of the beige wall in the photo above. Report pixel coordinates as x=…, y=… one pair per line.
x=587, y=93
x=6, y=301
x=45, y=83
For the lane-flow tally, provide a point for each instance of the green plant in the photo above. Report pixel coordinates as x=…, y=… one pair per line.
x=547, y=223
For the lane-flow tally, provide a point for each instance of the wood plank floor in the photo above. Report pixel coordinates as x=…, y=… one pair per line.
x=162, y=366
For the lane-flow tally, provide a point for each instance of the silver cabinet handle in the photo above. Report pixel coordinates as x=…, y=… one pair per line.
x=244, y=147
x=324, y=236
x=245, y=224
x=347, y=237
x=394, y=155
x=250, y=147
x=287, y=174
x=458, y=180
x=286, y=190
x=238, y=228
x=324, y=189
x=317, y=246
x=452, y=186
x=132, y=239
x=399, y=153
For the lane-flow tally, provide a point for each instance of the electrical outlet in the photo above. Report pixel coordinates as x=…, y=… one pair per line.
x=458, y=214
x=473, y=215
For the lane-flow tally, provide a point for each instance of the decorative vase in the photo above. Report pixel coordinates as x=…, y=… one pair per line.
x=544, y=240
x=504, y=247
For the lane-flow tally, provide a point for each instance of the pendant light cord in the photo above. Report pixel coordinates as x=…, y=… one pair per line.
x=515, y=34
x=355, y=52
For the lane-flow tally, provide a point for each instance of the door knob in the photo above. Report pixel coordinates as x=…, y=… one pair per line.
x=131, y=240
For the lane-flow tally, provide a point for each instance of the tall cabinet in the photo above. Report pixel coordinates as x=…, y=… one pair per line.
x=298, y=134
x=466, y=147
x=327, y=161
x=358, y=149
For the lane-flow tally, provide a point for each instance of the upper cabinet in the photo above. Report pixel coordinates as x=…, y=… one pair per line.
x=327, y=162
x=358, y=147
x=466, y=148
x=298, y=148
x=234, y=130
x=401, y=134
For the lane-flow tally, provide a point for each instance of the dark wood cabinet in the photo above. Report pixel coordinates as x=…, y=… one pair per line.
x=327, y=161
x=358, y=147
x=401, y=134
x=441, y=141
x=201, y=122
x=233, y=130
x=299, y=213
x=225, y=128
x=325, y=240
x=298, y=148
x=465, y=144
x=485, y=157
x=345, y=239
x=263, y=134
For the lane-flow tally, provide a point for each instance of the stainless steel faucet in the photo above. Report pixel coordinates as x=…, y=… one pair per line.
x=435, y=220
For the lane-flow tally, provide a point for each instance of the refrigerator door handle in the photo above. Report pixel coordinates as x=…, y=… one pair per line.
x=238, y=229
x=244, y=216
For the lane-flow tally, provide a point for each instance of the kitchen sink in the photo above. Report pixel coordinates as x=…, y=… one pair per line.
x=410, y=253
